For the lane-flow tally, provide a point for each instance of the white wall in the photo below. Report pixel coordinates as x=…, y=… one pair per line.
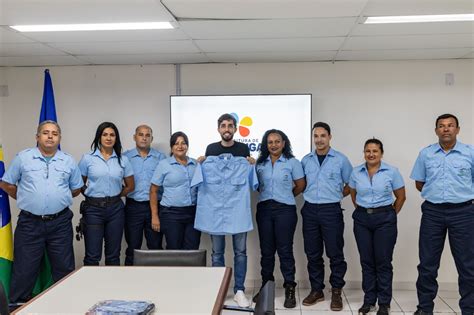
x=396, y=102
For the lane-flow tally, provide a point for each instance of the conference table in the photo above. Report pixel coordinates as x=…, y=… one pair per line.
x=173, y=290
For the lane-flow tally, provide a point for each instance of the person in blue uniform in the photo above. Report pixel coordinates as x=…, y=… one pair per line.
x=327, y=174
x=108, y=176
x=444, y=174
x=144, y=160
x=43, y=180
x=372, y=187
x=178, y=204
x=280, y=178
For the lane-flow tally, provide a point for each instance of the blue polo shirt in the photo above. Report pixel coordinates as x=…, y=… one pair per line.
x=276, y=180
x=325, y=182
x=104, y=178
x=143, y=168
x=448, y=176
x=175, y=179
x=43, y=187
x=375, y=192
x=223, y=203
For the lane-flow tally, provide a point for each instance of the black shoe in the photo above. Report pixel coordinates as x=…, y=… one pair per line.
x=420, y=312
x=384, y=309
x=290, y=298
x=366, y=308
x=255, y=297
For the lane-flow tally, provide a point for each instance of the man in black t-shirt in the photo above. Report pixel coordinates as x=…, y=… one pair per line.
x=227, y=126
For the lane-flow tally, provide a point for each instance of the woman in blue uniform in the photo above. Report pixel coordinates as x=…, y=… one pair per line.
x=373, y=185
x=108, y=176
x=178, y=203
x=281, y=178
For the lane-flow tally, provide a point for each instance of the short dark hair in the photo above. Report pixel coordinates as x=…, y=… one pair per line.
x=446, y=116
x=321, y=124
x=226, y=116
x=174, y=137
x=374, y=141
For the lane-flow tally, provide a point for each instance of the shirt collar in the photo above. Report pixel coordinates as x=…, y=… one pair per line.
x=331, y=152
x=135, y=153
x=457, y=147
x=282, y=158
x=383, y=167
x=173, y=161
x=57, y=156
x=97, y=153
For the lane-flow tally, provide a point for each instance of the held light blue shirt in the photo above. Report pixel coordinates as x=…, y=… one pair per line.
x=375, y=192
x=276, y=180
x=223, y=203
x=325, y=183
x=104, y=177
x=143, y=169
x=43, y=188
x=448, y=176
x=175, y=179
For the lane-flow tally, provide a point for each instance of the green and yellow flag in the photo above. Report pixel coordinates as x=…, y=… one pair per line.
x=6, y=237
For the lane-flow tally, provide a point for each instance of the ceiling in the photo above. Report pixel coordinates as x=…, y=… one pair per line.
x=209, y=31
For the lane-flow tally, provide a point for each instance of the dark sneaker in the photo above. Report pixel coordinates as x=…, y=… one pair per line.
x=420, y=312
x=313, y=298
x=383, y=310
x=336, y=300
x=290, y=296
x=366, y=308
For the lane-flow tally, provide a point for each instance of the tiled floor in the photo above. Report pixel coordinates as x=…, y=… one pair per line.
x=404, y=302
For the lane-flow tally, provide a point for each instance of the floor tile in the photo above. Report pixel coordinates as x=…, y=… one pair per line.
x=453, y=304
x=287, y=312
x=356, y=299
x=449, y=294
x=323, y=305
x=408, y=301
x=316, y=312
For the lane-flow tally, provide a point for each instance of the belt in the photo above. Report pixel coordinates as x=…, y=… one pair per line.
x=46, y=217
x=136, y=201
x=102, y=202
x=449, y=204
x=375, y=210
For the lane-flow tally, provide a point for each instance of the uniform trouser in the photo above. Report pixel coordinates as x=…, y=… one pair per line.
x=458, y=221
x=239, y=242
x=137, y=223
x=323, y=227
x=376, y=235
x=177, y=224
x=103, y=225
x=276, y=228
x=32, y=237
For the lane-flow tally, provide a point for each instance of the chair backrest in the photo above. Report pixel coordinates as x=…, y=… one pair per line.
x=3, y=301
x=169, y=257
x=266, y=300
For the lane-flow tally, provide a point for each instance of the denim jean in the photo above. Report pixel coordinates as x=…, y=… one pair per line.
x=239, y=242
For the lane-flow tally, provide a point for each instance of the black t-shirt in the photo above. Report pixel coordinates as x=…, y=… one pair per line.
x=321, y=158
x=237, y=149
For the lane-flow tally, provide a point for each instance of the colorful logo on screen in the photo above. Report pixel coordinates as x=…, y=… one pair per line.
x=243, y=124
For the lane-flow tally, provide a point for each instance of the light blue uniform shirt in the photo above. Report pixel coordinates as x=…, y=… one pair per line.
x=104, y=177
x=175, y=179
x=43, y=188
x=143, y=169
x=223, y=203
x=375, y=192
x=448, y=177
x=276, y=180
x=325, y=183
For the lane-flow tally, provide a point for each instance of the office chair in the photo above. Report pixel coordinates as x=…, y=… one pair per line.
x=265, y=304
x=170, y=258
x=4, y=310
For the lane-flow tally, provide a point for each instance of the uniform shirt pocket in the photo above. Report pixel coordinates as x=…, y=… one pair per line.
x=462, y=170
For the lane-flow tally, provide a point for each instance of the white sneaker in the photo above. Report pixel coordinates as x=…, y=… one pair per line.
x=241, y=299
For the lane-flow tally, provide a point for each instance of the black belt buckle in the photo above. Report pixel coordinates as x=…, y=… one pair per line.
x=48, y=217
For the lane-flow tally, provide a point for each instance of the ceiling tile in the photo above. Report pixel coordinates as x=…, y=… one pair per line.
x=107, y=36
x=271, y=45
x=263, y=9
x=267, y=28
x=16, y=12
x=417, y=7
x=145, y=59
x=40, y=61
x=409, y=42
x=27, y=49
x=127, y=48
x=416, y=54
x=273, y=57
x=8, y=35
x=414, y=28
